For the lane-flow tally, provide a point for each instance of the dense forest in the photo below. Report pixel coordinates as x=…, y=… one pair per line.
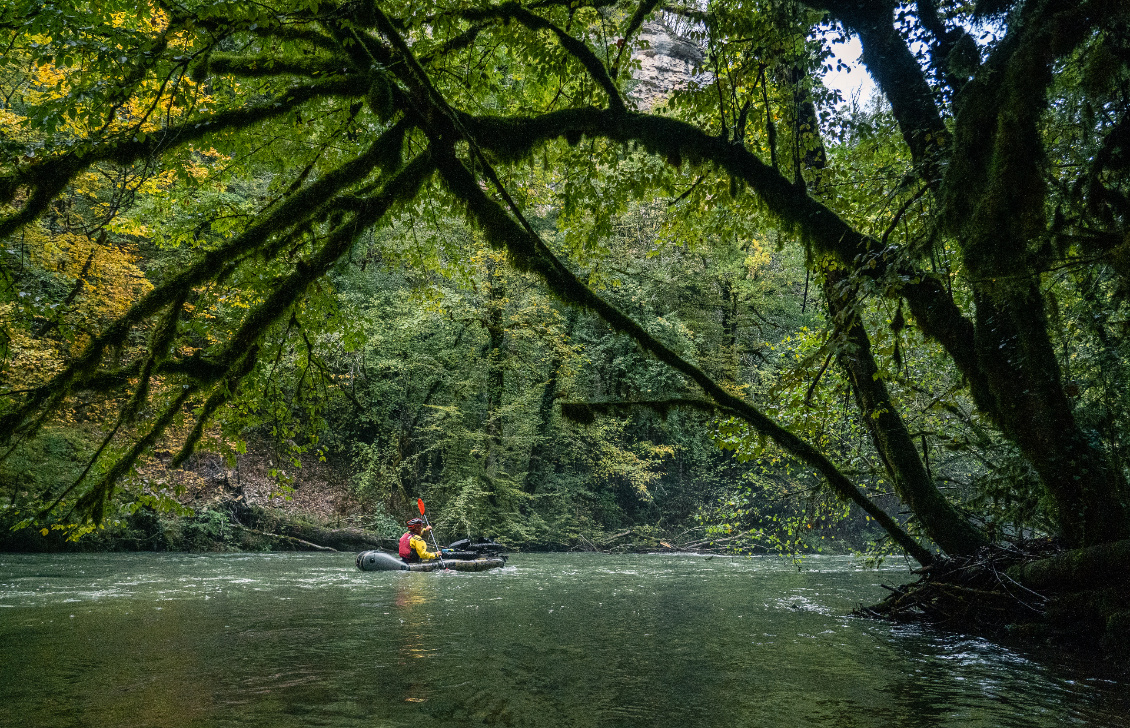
x=469, y=252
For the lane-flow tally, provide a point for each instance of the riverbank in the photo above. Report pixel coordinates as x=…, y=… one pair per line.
x=231, y=524
x=221, y=527
x=212, y=505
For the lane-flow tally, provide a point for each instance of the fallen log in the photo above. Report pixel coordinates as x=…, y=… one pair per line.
x=339, y=539
x=1085, y=568
x=277, y=523
x=306, y=545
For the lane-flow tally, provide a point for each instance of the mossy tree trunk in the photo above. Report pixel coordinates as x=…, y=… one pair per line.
x=912, y=482
x=495, y=325
x=542, y=448
x=995, y=202
x=941, y=521
x=994, y=199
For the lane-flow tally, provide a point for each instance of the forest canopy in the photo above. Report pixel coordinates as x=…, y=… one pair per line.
x=194, y=194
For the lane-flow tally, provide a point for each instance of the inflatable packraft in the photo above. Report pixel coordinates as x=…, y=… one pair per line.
x=464, y=555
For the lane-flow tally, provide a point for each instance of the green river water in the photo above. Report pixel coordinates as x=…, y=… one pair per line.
x=550, y=640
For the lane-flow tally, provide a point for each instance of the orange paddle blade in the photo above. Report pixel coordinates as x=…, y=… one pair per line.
x=420, y=505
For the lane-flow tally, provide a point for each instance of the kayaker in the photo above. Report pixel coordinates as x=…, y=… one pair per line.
x=413, y=548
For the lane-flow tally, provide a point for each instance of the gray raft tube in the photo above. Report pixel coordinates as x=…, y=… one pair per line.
x=380, y=561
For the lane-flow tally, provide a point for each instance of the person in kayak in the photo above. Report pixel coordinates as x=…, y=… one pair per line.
x=413, y=548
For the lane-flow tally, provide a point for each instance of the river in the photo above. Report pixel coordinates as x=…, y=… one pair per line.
x=550, y=640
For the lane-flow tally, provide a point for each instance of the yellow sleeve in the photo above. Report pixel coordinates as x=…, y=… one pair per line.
x=421, y=548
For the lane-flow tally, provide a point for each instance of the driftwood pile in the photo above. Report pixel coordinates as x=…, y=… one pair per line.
x=973, y=592
x=1030, y=591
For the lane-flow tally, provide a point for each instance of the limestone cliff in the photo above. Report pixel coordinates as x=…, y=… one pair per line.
x=667, y=62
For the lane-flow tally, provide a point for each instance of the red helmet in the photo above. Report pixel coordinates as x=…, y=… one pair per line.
x=414, y=523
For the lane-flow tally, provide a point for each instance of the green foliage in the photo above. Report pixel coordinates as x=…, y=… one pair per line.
x=330, y=227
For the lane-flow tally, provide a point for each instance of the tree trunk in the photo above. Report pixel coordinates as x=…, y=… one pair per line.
x=994, y=200
x=729, y=324
x=939, y=518
x=998, y=207
x=1035, y=413
x=941, y=521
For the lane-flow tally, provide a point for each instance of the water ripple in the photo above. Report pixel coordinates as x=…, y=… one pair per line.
x=550, y=640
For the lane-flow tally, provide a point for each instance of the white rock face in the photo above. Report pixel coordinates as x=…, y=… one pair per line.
x=668, y=63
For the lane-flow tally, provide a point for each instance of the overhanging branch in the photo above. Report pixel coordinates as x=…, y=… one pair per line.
x=47, y=178
x=529, y=252
x=304, y=205
x=516, y=138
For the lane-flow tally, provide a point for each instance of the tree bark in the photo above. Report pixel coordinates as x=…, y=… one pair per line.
x=994, y=198
x=729, y=324
x=941, y=521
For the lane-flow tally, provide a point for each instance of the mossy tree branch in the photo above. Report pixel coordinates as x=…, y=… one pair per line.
x=530, y=253
x=516, y=138
x=995, y=201
x=304, y=205
x=46, y=179
x=239, y=354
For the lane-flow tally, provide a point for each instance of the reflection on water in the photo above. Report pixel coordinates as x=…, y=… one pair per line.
x=412, y=596
x=550, y=640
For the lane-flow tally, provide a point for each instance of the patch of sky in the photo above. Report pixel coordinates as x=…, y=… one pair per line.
x=848, y=74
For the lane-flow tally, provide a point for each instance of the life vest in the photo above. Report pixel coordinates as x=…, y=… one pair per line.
x=406, y=551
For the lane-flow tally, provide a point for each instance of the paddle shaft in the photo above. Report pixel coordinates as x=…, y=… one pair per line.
x=438, y=549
